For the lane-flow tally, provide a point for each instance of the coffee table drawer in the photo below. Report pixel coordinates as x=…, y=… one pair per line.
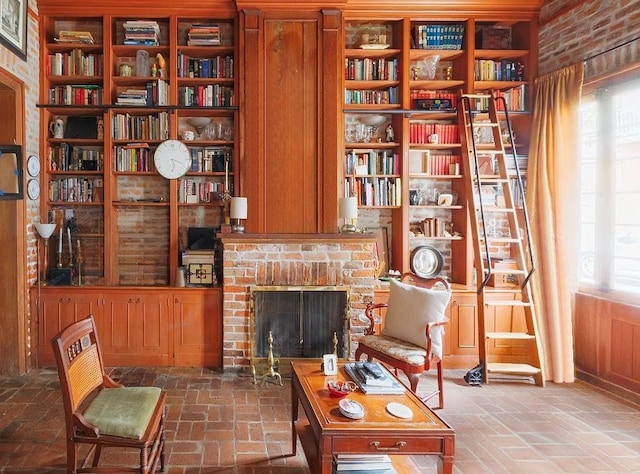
x=387, y=444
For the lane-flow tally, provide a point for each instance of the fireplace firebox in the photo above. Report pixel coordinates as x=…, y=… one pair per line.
x=304, y=322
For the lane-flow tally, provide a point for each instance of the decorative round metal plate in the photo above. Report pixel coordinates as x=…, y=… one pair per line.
x=426, y=261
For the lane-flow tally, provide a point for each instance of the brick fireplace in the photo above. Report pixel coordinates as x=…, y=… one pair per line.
x=289, y=260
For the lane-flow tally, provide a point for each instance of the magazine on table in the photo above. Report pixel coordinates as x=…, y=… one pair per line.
x=389, y=386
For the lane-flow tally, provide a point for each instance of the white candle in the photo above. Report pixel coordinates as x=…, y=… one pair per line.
x=69, y=235
x=60, y=241
x=226, y=176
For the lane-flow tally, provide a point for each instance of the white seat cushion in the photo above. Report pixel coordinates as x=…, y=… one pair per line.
x=410, y=309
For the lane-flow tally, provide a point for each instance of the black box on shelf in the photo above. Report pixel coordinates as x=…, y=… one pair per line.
x=60, y=276
x=494, y=37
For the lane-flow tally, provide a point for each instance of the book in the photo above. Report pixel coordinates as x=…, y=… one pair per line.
x=363, y=463
x=394, y=388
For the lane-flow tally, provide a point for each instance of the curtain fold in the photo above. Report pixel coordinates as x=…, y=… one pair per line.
x=552, y=201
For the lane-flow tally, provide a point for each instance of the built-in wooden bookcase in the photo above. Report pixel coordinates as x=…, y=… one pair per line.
x=117, y=98
x=406, y=73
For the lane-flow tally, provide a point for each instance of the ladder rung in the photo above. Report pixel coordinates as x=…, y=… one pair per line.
x=500, y=240
x=496, y=209
x=507, y=303
x=490, y=179
x=508, y=271
x=477, y=96
x=518, y=369
x=520, y=336
x=484, y=124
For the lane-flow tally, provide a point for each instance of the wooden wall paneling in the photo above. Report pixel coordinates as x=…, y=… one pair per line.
x=331, y=134
x=291, y=111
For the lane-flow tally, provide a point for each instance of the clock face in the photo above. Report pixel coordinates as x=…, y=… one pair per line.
x=33, y=166
x=172, y=159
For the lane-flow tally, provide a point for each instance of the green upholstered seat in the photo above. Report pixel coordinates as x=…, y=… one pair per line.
x=123, y=411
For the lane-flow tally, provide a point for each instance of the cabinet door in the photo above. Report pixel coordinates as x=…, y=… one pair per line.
x=463, y=329
x=135, y=329
x=197, y=328
x=58, y=309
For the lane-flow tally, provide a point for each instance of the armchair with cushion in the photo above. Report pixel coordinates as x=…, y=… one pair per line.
x=101, y=412
x=413, y=327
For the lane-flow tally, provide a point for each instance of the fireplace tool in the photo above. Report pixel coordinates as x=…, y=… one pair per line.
x=271, y=372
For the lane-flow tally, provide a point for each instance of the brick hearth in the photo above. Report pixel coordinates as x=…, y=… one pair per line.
x=300, y=259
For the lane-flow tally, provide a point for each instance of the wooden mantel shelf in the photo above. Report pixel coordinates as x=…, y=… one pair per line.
x=293, y=238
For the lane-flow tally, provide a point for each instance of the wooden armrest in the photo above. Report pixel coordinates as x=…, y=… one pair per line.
x=368, y=312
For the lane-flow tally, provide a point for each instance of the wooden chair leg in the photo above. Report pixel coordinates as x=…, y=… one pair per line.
x=413, y=380
x=440, y=386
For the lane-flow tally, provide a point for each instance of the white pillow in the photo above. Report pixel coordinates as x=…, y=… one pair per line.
x=409, y=310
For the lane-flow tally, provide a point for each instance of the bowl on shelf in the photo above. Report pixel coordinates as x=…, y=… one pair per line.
x=199, y=123
x=372, y=120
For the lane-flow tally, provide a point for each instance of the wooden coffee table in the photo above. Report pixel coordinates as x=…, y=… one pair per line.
x=326, y=432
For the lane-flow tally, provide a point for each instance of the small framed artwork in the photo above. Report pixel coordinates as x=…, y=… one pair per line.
x=330, y=364
x=11, y=186
x=13, y=26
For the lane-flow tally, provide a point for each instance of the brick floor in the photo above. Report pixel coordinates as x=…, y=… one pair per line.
x=223, y=423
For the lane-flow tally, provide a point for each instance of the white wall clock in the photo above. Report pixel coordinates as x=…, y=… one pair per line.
x=33, y=166
x=33, y=189
x=172, y=159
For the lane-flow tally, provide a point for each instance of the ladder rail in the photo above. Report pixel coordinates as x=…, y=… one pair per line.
x=488, y=274
x=522, y=194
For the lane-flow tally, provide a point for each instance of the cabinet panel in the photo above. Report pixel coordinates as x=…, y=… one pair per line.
x=198, y=328
x=135, y=325
x=58, y=308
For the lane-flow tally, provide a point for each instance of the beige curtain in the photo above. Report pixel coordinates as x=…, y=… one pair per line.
x=552, y=192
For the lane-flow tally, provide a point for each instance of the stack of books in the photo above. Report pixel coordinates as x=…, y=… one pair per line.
x=132, y=97
x=363, y=463
x=75, y=37
x=142, y=32
x=204, y=35
x=382, y=384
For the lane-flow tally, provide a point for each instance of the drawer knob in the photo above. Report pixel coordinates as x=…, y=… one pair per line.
x=396, y=447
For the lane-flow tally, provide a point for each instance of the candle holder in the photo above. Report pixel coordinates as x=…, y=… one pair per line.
x=44, y=231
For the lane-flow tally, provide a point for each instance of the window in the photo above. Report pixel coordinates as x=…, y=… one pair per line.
x=610, y=189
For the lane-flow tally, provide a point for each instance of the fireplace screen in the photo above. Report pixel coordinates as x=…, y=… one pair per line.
x=302, y=320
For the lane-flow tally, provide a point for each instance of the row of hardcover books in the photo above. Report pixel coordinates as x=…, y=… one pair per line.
x=490, y=70
x=140, y=127
x=212, y=95
x=89, y=94
x=72, y=158
x=192, y=192
x=74, y=63
x=217, y=67
x=438, y=36
x=423, y=132
x=374, y=191
x=141, y=32
x=204, y=35
x=211, y=159
x=76, y=189
x=368, y=69
x=364, y=96
x=132, y=157
x=418, y=94
x=515, y=99
x=438, y=164
x=361, y=163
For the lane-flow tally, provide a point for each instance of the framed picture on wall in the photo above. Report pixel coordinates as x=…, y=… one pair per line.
x=13, y=26
x=11, y=186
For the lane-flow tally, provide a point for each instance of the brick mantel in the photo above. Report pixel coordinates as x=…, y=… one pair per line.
x=288, y=259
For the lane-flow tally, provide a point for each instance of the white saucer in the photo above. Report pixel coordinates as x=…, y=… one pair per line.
x=399, y=410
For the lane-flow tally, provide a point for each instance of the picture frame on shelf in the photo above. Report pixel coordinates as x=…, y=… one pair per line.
x=382, y=247
x=13, y=26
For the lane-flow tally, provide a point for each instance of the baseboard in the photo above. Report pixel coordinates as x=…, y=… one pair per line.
x=611, y=388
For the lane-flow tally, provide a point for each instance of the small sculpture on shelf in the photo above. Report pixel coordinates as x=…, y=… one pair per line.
x=390, y=134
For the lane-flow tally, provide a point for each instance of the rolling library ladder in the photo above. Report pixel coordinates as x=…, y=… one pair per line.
x=493, y=186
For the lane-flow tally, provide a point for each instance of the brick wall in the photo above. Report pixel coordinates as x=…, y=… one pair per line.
x=573, y=30
x=309, y=260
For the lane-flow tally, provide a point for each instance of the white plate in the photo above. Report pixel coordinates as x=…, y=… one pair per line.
x=399, y=410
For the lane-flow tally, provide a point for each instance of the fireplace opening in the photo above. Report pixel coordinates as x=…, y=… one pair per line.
x=305, y=322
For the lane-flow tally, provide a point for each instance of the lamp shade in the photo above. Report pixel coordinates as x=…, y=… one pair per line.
x=45, y=230
x=238, y=208
x=348, y=208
